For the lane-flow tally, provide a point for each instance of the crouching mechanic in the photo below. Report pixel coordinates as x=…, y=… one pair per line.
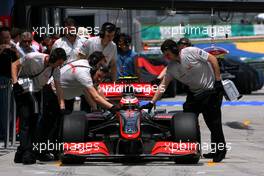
x=200, y=71
x=79, y=77
x=37, y=68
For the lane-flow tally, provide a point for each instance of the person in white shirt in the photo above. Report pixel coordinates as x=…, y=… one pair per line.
x=104, y=43
x=199, y=71
x=70, y=42
x=25, y=45
x=79, y=77
x=38, y=68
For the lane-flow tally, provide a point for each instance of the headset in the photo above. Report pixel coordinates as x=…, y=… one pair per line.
x=107, y=27
x=56, y=54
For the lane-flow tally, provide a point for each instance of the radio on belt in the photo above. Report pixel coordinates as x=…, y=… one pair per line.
x=231, y=92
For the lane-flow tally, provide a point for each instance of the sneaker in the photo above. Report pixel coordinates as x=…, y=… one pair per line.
x=220, y=155
x=56, y=156
x=45, y=157
x=28, y=158
x=18, y=157
x=209, y=155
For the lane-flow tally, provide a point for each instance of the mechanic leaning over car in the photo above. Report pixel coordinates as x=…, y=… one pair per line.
x=80, y=77
x=200, y=71
x=36, y=68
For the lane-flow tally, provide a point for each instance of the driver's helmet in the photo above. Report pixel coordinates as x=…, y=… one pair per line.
x=129, y=100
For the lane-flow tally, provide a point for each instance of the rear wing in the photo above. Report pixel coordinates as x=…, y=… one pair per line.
x=114, y=91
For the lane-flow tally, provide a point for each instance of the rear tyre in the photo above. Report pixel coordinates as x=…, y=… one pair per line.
x=185, y=128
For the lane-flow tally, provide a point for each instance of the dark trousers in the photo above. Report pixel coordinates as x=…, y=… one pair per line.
x=69, y=105
x=84, y=105
x=28, y=120
x=209, y=104
x=35, y=127
x=49, y=126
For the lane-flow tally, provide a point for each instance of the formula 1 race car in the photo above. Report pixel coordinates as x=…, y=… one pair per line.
x=131, y=134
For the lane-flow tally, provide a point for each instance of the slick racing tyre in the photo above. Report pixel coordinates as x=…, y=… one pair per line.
x=185, y=128
x=75, y=127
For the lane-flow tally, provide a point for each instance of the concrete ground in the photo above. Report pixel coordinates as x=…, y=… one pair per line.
x=243, y=127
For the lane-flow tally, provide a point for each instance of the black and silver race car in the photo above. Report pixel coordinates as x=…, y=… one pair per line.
x=131, y=133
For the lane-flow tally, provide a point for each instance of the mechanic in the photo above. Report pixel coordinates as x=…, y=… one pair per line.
x=125, y=56
x=103, y=42
x=70, y=42
x=80, y=76
x=37, y=68
x=200, y=71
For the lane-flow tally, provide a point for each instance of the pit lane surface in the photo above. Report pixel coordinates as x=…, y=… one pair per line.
x=243, y=127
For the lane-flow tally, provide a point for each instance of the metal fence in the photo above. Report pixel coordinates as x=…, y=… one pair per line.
x=7, y=112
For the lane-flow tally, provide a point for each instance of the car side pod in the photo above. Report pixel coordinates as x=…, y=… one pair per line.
x=185, y=130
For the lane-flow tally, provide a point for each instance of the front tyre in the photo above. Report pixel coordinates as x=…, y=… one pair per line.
x=185, y=128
